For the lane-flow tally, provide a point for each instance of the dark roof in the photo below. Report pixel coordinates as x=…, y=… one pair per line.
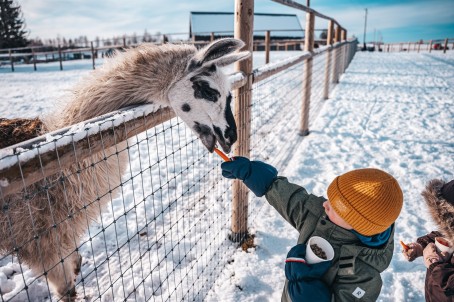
x=280, y=25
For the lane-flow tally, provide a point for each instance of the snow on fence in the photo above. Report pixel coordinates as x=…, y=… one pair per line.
x=170, y=226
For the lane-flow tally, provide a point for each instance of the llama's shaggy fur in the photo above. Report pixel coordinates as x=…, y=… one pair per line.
x=43, y=227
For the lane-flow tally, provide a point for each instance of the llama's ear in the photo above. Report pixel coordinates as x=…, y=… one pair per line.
x=231, y=58
x=214, y=51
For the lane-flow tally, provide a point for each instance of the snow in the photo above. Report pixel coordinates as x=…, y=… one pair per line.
x=389, y=111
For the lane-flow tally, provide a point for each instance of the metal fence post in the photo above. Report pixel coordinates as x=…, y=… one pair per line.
x=244, y=22
x=307, y=79
x=329, y=42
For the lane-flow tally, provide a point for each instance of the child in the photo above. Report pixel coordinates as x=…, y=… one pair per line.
x=439, y=197
x=357, y=219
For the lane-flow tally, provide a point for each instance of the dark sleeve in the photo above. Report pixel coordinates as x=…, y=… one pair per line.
x=289, y=200
x=429, y=238
x=440, y=279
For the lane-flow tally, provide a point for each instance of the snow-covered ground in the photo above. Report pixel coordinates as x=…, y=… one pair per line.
x=390, y=111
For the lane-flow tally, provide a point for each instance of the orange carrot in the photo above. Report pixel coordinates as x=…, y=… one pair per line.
x=406, y=247
x=221, y=154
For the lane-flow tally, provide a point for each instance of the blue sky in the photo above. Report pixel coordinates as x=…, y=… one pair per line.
x=392, y=21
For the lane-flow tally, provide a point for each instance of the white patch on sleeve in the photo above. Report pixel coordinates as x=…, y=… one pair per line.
x=358, y=292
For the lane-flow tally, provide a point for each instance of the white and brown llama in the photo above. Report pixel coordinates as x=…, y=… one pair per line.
x=44, y=230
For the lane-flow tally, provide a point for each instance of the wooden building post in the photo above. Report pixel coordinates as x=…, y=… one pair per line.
x=267, y=46
x=244, y=24
x=329, y=42
x=307, y=77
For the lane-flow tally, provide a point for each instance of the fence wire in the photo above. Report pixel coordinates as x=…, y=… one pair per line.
x=158, y=231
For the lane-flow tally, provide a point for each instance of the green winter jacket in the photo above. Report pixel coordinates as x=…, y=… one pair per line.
x=355, y=271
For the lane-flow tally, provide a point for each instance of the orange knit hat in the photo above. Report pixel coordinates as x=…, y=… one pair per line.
x=369, y=200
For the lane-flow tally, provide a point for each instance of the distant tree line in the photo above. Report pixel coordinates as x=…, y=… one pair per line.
x=82, y=41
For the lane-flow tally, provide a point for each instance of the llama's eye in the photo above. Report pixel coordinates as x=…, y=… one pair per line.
x=202, y=90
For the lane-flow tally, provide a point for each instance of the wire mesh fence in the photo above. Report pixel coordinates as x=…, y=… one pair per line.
x=147, y=219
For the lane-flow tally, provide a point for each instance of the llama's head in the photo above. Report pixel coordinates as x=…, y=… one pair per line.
x=201, y=98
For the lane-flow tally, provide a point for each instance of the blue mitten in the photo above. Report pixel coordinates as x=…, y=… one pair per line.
x=304, y=280
x=256, y=175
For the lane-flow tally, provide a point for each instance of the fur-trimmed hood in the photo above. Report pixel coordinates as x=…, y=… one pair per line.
x=442, y=211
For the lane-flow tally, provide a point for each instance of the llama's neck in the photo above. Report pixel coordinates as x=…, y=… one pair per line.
x=139, y=76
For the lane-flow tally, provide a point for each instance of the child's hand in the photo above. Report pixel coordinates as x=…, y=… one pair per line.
x=415, y=250
x=256, y=175
x=305, y=280
x=431, y=255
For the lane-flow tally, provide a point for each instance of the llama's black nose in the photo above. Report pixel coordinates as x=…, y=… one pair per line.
x=230, y=135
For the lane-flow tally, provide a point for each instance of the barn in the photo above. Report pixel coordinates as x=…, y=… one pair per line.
x=204, y=25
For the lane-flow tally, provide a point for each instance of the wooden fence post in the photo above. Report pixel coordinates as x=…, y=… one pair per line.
x=344, y=50
x=59, y=57
x=11, y=60
x=244, y=24
x=212, y=37
x=419, y=46
x=430, y=46
x=307, y=79
x=267, y=46
x=34, y=59
x=446, y=45
x=92, y=54
x=329, y=42
x=336, y=56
